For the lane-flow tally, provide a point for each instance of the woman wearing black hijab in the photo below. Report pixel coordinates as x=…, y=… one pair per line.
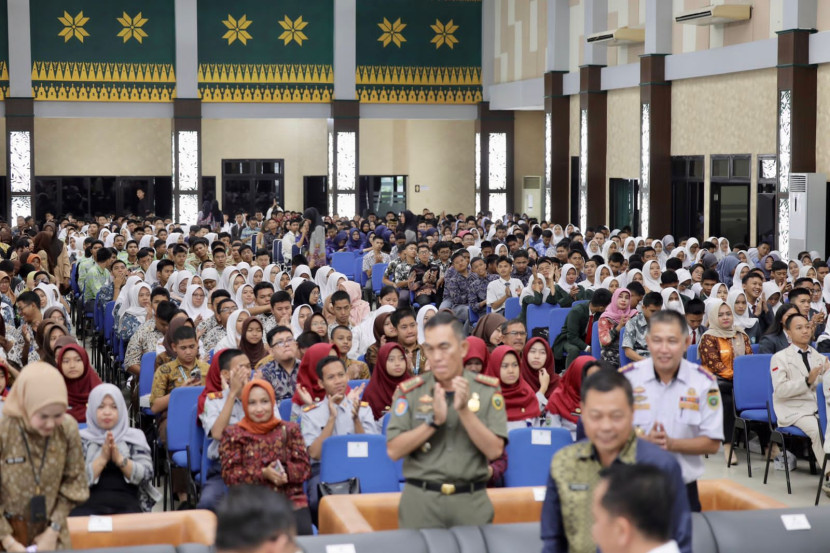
x=303, y=295
x=316, y=238
x=410, y=226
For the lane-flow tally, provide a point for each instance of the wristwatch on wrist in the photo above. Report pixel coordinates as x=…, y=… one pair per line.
x=55, y=526
x=123, y=462
x=430, y=421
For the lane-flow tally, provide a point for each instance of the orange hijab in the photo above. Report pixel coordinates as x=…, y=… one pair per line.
x=246, y=422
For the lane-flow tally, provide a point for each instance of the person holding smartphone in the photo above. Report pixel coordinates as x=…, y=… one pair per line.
x=264, y=450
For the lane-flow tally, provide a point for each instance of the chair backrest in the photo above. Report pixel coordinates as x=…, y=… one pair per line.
x=203, y=474
x=749, y=381
x=356, y=383
x=512, y=308
x=577, y=302
x=529, y=451
x=756, y=348
x=538, y=316
x=196, y=441
x=362, y=456
x=182, y=400
x=276, y=251
x=343, y=262
x=822, y=409
x=770, y=405
x=378, y=270
x=596, y=347
x=556, y=322
x=624, y=360
x=109, y=321
x=285, y=409
x=691, y=354
x=359, y=276
x=148, y=372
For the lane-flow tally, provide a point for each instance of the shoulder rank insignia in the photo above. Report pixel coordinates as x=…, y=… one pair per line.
x=308, y=408
x=627, y=368
x=215, y=395
x=411, y=384
x=491, y=381
x=364, y=404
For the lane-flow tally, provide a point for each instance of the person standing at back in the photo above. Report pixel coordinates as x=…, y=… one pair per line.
x=447, y=424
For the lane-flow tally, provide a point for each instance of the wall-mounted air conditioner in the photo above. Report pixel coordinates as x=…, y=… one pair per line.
x=618, y=37
x=808, y=202
x=714, y=15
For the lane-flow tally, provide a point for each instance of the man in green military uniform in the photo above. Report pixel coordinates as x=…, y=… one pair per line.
x=448, y=424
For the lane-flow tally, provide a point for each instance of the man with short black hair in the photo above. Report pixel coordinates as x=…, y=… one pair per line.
x=520, y=267
x=575, y=336
x=151, y=333
x=514, y=335
x=632, y=510
x=97, y=275
x=280, y=311
x=694, y=318
x=669, y=389
x=634, y=340
x=255, y=519
x=24, y=350
x=341, y=304
x=281, y=366
x=607, y=408
x=407, y=328
x=224, y=308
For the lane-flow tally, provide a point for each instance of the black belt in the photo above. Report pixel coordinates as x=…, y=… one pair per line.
x=447, y=488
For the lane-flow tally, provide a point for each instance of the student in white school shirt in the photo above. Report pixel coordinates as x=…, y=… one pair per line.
x=504, y=287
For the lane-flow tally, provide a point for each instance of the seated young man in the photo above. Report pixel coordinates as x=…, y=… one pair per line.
x=185, y=370
x=505, y=287
x=634, y=340
x=575, y=336
x=341, y=307
x=149, y=334
x=407, y=328
x=281, y=366
x=341, y=336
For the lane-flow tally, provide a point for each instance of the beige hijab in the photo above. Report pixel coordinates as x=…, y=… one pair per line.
x=733, y=334
x=38, y=385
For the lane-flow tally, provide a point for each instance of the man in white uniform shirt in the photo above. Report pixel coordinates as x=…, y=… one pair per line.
x=677, y=403
x=504, y=287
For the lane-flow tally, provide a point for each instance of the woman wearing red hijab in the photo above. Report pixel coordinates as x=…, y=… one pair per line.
x=266, y=451
x=309, y=391
x=477, y=355
x=519, y=398
x=537, y=369
x=563, y=404
x=390, y=370
x=73, y=363
x=4, y=383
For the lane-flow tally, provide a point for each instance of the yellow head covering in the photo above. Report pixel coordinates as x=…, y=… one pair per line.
x=38, y=385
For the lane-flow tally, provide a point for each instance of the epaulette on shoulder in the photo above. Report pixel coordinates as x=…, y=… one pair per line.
x=627, y=368
x=215, y=395
x=308, y=408
x=702, y=370
x=491, y=381
x=411, y=384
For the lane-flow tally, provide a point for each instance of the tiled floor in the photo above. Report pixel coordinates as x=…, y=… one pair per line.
x=804, y=484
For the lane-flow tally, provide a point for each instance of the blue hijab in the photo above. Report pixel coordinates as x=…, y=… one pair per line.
x=726, y=267
x=355, y=244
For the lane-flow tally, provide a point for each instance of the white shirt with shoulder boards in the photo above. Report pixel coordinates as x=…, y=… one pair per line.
x=214, y=403
x=315, y=417
x=687, y=407
x=496, y=291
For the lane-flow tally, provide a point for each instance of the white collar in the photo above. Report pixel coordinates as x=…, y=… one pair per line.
x=668, y=547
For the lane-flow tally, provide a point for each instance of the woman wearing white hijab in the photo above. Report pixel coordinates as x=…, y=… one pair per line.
x=332, y=284
x=651, y=283
x=322, y=276
x=268, y=273
x=722, y=248
x=107, y=237
x=294, y=284
x=692, y=248
x=737, y=283
x=240, y=299
x=602, y=272
x=123, y=300
x=363, y=335
x=662, y=256
x=210, y=274
x=233, y=334
x=421, y=320
x=296, y=323
x=146, y=241
x=302, y=271
x=683, y=275
x=135, y=314
x=211, y=237
x=173, y=284
x=558, y=234
x=504, y=250
x=805, y=270
x=682, y=255
x=770, y=289
x=173, y=239
x=151, y=276
x=278, y=280
x=629, y=247
x=610, y=284
x=825, y=290
x=593, y=248
x=253, y=272
x=608, y=248
x=228, y=276
x=672, y=304
x=744, y=321
x=244, y=267
x=819, y=305
x=195, y=311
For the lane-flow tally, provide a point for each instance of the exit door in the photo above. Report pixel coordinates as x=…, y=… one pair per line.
x=730, y=212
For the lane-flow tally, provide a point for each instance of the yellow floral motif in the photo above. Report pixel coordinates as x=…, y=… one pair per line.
x=237, y=29
x=444, y=34
x=132, y=27
x=73, y=26
x=392, y=32
x=293, y=30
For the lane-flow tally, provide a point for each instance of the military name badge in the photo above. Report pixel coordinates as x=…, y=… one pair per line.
x=713, y=399
x=474, y=403
x=401, y=407
x=498, y=402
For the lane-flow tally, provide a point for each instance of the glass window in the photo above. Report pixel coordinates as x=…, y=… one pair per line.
x=740, y=167
x=720, y=167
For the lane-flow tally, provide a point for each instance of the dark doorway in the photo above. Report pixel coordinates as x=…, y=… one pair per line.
x=624, y=211
x=574, y=210
x=729, y=201
x=208, y=189
x=767, y=208
x=99, y=195
x=687, y=196
x=315, y=193
x=383, y=193
x=252, y=185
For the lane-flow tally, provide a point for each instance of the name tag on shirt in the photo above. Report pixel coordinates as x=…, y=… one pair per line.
x=540, y=437
x=15, y=460
x=578, y=487
x=690, y=402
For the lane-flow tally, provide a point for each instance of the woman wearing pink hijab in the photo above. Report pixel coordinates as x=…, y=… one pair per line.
x=611, y=322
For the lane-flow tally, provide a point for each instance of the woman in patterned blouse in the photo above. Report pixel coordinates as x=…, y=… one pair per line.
x=265, y=450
